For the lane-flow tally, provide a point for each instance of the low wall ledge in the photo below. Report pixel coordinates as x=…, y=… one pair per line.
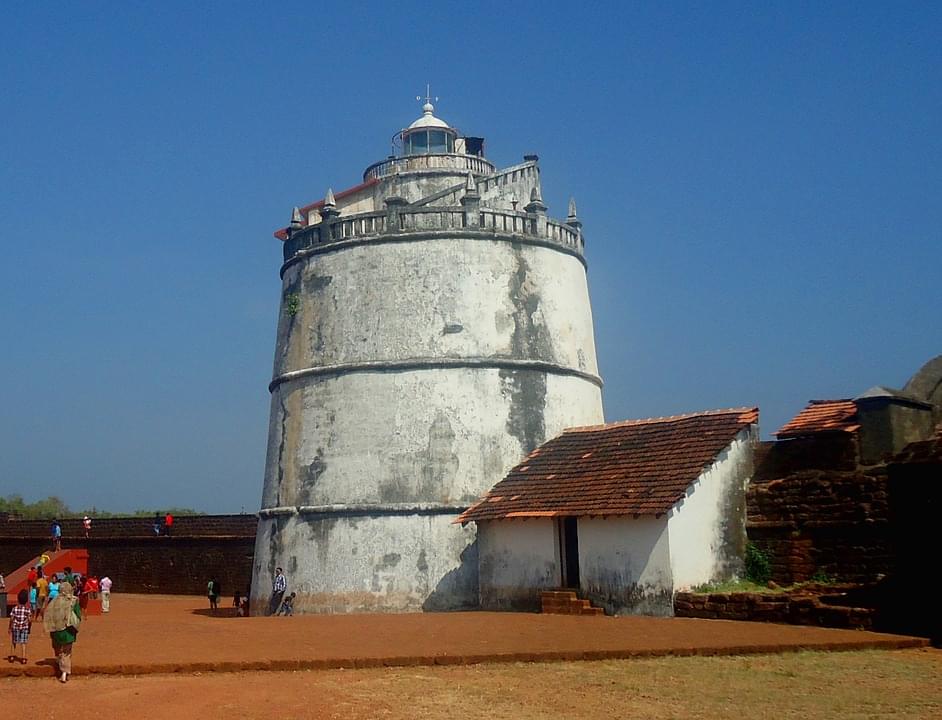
x=367, y=509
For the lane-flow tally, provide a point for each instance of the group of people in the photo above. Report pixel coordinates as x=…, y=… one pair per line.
x=162, y=525
x=280, y=603
x=59, y=601
x=165, y=524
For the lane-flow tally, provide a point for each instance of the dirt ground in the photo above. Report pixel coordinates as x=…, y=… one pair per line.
x=165, y=633
x=160, y=656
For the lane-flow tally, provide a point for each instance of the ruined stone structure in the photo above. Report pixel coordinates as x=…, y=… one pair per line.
x=434, y=328
x=820, y=504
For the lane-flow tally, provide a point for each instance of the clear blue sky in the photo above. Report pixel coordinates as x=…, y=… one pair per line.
x=761, y=187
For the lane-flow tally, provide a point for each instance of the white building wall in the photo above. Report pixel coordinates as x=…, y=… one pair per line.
x=625, y=564
x=411, y=373
x=352, y=563
x=437, y=298
x=516, y=559
x=707, y=527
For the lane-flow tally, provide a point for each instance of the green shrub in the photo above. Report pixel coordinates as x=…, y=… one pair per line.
x=758, y=567
x=292, y=303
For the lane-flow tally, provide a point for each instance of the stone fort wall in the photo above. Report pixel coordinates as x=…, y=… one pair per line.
x=137, y=561
x=817, y=513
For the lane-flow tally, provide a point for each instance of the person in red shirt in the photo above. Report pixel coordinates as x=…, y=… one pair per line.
x=89, y=591
x=168, y=524
x=32, y=576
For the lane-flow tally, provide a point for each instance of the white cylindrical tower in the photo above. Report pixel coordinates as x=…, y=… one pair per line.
x=434, y=328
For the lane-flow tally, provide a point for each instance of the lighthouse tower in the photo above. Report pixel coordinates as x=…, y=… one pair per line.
x=434, y=328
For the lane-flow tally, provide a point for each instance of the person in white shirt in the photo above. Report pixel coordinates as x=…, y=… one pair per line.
x=104, y=585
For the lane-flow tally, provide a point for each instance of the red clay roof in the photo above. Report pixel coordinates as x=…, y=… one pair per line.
x=820, y=416
x=635, y=467
x=282, y=234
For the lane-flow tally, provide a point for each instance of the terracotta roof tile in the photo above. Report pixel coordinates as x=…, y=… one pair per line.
x=635, y=467
x=822, y=416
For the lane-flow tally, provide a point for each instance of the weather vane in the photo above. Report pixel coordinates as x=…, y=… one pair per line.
x=428, y=95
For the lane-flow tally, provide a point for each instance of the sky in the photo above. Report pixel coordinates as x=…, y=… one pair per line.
x=760, y=186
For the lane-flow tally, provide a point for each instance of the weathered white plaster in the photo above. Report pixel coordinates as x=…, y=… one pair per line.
x=625, y=564
x=517, y=558
x=416, y=362
x=359, y=564
x=707, y=527
x=437, y=298
x=436, y=435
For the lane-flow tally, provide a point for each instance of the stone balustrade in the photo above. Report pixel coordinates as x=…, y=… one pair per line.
x=430, y=219
x=443, y=161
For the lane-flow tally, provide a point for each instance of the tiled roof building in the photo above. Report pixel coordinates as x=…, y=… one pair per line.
x=636, y=467
x=821, y=416
x=626, y=513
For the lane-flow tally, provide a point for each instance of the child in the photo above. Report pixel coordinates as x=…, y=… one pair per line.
x=287, y=606
x=237, y=603
x=42, y=587
x=33, y=598
x=20, y=621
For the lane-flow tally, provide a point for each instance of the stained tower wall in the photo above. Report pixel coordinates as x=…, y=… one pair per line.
x=422, y=350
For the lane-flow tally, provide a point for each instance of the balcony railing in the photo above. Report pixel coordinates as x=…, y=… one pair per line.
x=446, y=161
x=426, y=219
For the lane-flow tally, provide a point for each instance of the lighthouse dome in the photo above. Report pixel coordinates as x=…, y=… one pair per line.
x=428, y=119
x=428, y=135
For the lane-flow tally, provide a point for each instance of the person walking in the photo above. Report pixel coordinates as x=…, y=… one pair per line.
x=87, y=525
x=157, y=524
x=168, y=524
x=42, y=586
x=56, y=532
x=21, y=620
x=278, y=587
x=62, y=620
x=213, y=591
x=105, y=585
x=53, y=588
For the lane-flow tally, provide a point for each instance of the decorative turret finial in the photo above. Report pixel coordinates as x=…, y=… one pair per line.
x=536, y=201
x=572, y=220
x=471, y=200
x=296, y=219
x=329, y=211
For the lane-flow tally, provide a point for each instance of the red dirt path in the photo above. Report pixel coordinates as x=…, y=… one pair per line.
x=163, y=634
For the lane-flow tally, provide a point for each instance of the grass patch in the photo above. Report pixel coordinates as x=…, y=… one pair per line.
x=734, y=586
x=792, y=686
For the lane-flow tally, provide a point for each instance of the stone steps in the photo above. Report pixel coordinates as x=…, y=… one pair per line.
x=566, y=602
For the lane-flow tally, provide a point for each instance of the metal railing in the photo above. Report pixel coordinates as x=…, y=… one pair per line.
x=451, y=161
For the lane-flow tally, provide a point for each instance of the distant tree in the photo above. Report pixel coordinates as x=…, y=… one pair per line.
x=53, y=507
x=40, y=510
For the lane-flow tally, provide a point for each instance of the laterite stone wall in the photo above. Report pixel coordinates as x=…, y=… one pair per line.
x=815, y=511
x=126, y=549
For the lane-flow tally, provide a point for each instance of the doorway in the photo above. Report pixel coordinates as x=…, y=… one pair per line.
x=568, y=552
